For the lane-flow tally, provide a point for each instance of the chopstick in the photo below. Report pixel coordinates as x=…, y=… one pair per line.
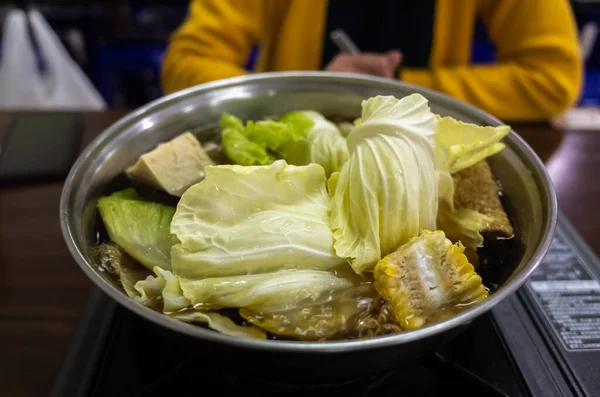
x=344, y=42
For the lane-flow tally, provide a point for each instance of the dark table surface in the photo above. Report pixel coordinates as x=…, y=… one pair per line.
x=42, y=290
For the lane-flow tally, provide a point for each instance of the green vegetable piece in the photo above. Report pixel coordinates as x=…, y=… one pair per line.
x=238, y=147
x=251, y=220
x=299, y=138
x=387, y=191
x=323, y=142
x=269, y=292
x=463, y=225
x=274, y=134
x=140, y=228
x=162, y=292
x=219, y=323
x=465, y=144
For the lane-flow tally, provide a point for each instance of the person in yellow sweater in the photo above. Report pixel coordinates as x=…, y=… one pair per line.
x=537, y=74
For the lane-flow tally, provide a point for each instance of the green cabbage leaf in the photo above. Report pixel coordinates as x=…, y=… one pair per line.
x=253, y=220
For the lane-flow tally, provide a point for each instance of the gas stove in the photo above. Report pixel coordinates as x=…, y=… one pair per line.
x=542, y=341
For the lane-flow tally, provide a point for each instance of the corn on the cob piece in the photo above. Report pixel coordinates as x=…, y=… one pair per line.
x=427, y=279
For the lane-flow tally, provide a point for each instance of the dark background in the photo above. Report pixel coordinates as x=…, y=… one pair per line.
x=121, y=43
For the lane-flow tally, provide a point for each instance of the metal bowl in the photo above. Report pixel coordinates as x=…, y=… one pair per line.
x=527, y=189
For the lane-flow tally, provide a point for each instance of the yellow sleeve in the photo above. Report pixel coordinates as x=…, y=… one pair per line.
x=539, y=69
x=213, y=42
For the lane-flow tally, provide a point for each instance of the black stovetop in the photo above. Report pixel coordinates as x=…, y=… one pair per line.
x=520, y=348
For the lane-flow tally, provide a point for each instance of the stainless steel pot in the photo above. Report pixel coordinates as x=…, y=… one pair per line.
x=527, y=188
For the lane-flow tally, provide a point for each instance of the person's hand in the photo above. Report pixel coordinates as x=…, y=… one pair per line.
x=382, y=65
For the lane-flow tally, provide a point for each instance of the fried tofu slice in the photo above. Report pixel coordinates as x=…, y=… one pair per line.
x=172, y=166
x=475, y=189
